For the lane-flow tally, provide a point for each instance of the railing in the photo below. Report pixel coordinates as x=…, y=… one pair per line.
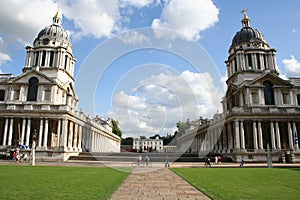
x=265, y=109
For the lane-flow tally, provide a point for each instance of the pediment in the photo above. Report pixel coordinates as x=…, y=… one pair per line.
x=24, y=78
x=274, y=79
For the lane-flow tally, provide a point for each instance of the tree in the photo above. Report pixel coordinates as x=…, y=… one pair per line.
x=115, y=129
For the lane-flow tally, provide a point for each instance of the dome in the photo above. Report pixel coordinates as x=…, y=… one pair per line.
x=54, y=32
x=245, y=35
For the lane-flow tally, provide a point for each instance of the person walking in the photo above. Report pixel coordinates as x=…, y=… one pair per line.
x=167, y=163
x=242, y=162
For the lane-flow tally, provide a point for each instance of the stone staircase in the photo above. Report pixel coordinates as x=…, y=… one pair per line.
x=130, y=157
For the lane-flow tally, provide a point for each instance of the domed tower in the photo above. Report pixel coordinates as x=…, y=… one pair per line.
x=249, y=54
x=51, y=52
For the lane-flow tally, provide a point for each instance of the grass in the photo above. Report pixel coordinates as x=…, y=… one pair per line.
x=244, y=183
x=51, y=182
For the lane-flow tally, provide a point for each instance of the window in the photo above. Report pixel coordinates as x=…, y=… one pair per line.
x=2, y=95
x=286, y=98
x=36, y=59
x=32, y=89
x=47, y=94
x=43, y=58
x=269, y=93
x=51, y=58
x=258, y=61
x=66, y=61
x=254, y=95
x=298, y=99
x=16, y=94
x=250, y=61
x=235, y=65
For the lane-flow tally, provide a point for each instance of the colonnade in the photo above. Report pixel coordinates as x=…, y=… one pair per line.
x=235, y=136
x=57, y=134
x=97, y=141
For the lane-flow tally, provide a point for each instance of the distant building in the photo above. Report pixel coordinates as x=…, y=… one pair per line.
x=260, y=109
x=143, y=144
x=42, y=100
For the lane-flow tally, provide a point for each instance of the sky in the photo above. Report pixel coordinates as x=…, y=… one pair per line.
x=150, y=63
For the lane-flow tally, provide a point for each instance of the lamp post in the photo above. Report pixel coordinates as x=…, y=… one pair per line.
x=33, y=148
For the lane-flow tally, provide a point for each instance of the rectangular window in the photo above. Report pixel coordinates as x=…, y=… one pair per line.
x=47, y=95
x=254, y=95
x=2, y=95
x=250, y=61
x=66, y=61
x=51, y=58
x=16, y=94
x=286, y=98
x=36, y=59
x=235, y=65
x=258, y=61
x=43, y=58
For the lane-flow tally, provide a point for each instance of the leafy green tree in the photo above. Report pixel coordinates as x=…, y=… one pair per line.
x=115, y=129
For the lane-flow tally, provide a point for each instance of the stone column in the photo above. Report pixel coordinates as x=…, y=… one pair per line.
x=46, y=134
x=23, y=131
x=273, y=143
x=70, y=139
x=79, y=137
x=58, y=132
x=255, y=145
x=260, y=138
x=277, y=135
x=295, y=133
x=237, y=134
x=242, y=135
x=290, y=135
x=28, y=132
x=64, y=132
x=41, y=132
x=5, y=132
x=75, y=136
x=11, y=129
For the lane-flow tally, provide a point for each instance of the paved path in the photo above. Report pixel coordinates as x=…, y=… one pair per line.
x=158, y=184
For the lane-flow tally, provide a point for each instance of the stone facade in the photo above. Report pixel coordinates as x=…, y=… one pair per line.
x=42, y=100
x=143, y=144
x=260, y=109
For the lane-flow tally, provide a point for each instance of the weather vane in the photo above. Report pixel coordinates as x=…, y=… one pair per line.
x=244, y=12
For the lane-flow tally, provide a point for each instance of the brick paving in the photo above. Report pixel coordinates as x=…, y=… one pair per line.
x=158, y=184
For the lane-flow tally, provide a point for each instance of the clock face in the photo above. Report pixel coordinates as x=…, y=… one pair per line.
x=46, y=41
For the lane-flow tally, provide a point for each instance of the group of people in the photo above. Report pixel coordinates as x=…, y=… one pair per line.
x=19, y=157
x=141, y=161
x=217, y=161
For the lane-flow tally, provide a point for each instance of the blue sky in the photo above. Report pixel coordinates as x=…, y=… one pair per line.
x=150, y=63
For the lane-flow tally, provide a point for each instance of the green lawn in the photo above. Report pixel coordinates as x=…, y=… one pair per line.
x=50, y=182
x=244, y=183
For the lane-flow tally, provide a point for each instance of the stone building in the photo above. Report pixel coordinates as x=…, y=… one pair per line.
x=42, y=101
x=143, y=144
x=260, y=109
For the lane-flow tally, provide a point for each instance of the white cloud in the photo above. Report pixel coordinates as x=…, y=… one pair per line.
x=137, y=3
x=20, y=21
x=187, y=17
x=95, y=18
x=134, y=37
x=292, y=66
x=162, y=100
x=4, y=58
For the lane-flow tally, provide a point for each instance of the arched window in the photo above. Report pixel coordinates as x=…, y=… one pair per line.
x=269, y=93
x=32, y=89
